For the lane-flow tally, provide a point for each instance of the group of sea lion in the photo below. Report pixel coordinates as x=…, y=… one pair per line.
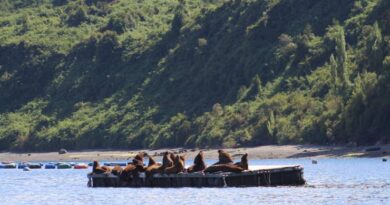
x=173, y=164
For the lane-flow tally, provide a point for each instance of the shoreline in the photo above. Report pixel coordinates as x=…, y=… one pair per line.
x=260, y=152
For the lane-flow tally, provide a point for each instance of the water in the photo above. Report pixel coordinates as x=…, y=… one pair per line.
x=331, y=181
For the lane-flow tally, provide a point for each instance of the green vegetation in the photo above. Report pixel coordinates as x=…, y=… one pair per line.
x=150, y=73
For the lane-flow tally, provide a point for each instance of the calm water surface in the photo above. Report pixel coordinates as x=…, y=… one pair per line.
x=331, y=181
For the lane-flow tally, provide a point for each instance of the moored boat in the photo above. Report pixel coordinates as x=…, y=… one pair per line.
x=50, y=166
x=8, y=165
x=63, y=165
x=34, y=165
x=22, y=165
x=80, y=166
x=113, y=164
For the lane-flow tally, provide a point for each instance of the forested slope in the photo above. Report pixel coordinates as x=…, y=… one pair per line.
x=205, y=73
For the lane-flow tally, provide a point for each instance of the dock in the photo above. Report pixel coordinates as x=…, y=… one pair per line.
x=289, y=175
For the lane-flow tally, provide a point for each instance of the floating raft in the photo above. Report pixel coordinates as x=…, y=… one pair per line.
x=291, y=175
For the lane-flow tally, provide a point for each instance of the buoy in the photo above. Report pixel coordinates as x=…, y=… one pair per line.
x=384, y=160
x=314, y=161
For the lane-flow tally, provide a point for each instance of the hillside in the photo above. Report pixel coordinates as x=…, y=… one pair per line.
x=197, y=73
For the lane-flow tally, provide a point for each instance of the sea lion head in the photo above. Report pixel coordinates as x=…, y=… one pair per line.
x=167, y=160
x=180, y=163
x=140, y=156
x=244, y=161
x=95, y=165
x=224, y=157
x=199, y=159
x=151, y=161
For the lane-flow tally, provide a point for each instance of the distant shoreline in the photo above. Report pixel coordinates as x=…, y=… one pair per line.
x=261, y=152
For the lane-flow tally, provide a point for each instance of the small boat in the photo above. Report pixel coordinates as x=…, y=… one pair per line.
x=50, y=166
x=81, y=166
x=107, y=163
x=63, y=165
x=22, y=165
x=112, y=164
x=34, y=165
x=7, y=165
x=122, y=164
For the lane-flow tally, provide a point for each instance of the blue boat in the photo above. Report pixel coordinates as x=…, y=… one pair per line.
x=22, y=165
x=123, y=164
x=50, y=166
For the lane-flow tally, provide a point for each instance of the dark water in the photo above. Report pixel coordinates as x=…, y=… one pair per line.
x=331, y=181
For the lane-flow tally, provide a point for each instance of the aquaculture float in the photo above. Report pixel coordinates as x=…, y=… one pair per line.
x=288, y=175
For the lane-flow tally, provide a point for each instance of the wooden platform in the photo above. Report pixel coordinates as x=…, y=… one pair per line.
x=290, y=175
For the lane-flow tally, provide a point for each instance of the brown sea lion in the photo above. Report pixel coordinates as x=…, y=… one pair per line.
x=131, y=171
x=117, y=170
x=224, y=158
x=139, y=158
x=152, y=161
x=97, y=169
x=152, y=166
x=167, y=160
x=199, y=164
x=224, y=168
x=178, y=166
x=244, y=162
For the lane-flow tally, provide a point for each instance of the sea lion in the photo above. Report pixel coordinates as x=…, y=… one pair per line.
x=224, y=168
x=229, y=167
x=244, y=162
x=152, y=165
x=178, y=166
x=167, y=160
x=97, y=169
x=152, y=161
x=117, y=170
x=224, y=158
x=199, y=164
x=131, y=171
x=139, y=158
